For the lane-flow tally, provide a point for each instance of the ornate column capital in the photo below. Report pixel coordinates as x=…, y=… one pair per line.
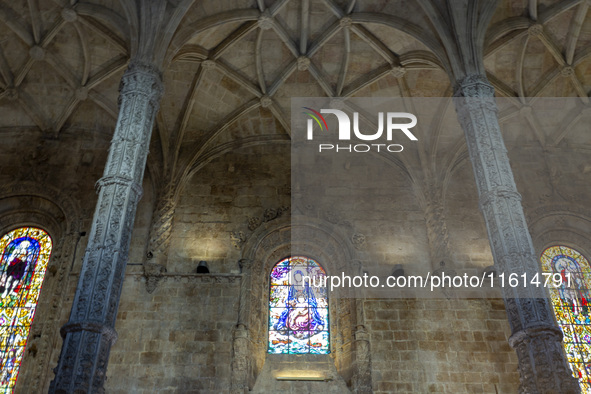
x=142, y=78
x=474, y=85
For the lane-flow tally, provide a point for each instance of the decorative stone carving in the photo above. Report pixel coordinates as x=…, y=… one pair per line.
x=535, y=30
x=254, y=223
x=153, y=273
x=159, y=241
x=346, y=22
x=245, y=270
x=535, y=337
x=265, y=21
x=240, y=360
x=88, y=335
x=208, y=64
x=191, y=277
x=271, y=213
x=268, y=215
x=567, y=71
x=161, y=227
x=240, y=344
x=238, y=238
x=362, y=376
x=266, y=101
x=358, y=241
x=398, y=71
x=303, y=63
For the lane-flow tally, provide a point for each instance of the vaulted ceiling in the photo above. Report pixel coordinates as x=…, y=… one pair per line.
x=230, y=67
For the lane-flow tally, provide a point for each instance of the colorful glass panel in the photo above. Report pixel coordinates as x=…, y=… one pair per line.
x=25, y=254
x=571, y=308
x=298, y=308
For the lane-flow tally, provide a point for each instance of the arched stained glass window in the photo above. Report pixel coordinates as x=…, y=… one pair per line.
x=571, y=307
x=25, y=254
x=298, y=308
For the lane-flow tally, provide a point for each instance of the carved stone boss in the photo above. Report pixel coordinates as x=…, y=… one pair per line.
x=535, y=337
x=89, y=333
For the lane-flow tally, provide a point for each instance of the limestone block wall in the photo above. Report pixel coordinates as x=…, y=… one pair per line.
x=225, y=202
x=176, y=340
x=440, y=345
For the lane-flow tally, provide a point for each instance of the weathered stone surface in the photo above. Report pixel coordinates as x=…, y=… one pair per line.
x=219, y=172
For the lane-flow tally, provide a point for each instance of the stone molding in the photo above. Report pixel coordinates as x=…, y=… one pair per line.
x=191, y=277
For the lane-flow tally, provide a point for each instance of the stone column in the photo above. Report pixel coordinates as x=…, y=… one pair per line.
x=160, y=231
x=535, y=337
x=240, y=342
x=362, y=382
x=90, y=332
x=362, y=376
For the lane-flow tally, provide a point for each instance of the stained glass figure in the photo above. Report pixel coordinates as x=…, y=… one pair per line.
x=298, y=308
x=25, y=254
x=571, y=308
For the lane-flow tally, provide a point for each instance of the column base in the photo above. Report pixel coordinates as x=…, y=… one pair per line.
x=541, y=361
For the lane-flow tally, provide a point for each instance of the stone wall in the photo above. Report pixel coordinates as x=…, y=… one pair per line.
x=441, y=346
x=176, y=340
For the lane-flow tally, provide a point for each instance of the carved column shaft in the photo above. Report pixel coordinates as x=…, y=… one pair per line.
x=535, y=337
x=362, y=382
x=245, y=290
x=362, y=376
x=89, y=333
x=240, y=343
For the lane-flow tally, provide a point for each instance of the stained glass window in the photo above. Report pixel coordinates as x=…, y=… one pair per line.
x=298, y=308
x=571, y=307
x=25, y=253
